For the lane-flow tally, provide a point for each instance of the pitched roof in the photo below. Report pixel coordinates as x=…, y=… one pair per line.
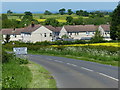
x=30, y=29
x=11, y=31
x=18, y=31
x=78, y=28
x=106, y=27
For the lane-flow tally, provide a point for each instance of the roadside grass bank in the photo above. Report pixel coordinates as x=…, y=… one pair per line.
x=96, y=53
x=103, y=55
x=41, y=77
x=20, y=73
x=112, y=63
x=14, y=73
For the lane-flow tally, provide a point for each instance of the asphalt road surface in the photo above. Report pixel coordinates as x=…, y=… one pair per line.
x=71, y=73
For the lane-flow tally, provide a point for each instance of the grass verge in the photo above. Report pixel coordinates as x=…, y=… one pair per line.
x=41, y=77
x=113, y=63
x=20, y=73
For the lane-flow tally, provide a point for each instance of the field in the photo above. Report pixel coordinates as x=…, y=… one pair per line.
x=94, y=44
x=42, y=17
x=105, y=53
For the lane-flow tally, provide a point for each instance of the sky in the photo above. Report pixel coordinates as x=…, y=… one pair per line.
x=60, y=0
x=20, y=7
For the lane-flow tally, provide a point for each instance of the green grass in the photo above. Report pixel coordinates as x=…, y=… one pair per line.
x=41, y=77
x=15, y=75
x=113, y=63
x=19, y=73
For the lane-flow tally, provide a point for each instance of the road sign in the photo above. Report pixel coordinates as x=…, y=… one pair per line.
x=20, y=50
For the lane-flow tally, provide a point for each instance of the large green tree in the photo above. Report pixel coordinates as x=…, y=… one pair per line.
x=62, y=11
x=51, y=21
x=115, y=24
x=69, y=19
x=47, y=12
x=70, y=12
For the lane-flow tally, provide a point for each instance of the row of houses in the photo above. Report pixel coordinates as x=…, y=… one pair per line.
x=38, y=33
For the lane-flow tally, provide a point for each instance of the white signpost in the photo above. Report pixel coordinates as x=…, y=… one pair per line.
x=20, y=50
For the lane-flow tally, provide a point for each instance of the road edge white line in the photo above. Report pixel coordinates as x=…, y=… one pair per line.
x=108, y=76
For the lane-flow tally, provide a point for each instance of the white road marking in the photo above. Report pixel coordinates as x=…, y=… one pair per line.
x=71, y=64
x=49, y=59
x=87, y=69
x=58, y=61
x=90, y=70
x=108, y=76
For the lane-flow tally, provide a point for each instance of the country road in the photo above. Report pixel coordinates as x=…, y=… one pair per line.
x=71, y=73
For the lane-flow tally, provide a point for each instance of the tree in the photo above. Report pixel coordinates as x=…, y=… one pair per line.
x=115, y=23
x=27, y=19
x=9, y=12
x=70, y=12
x=62, y=11
x=7, y=38
x=85, y=13
x=97, y=37
x=28, y=16
x=78, y=21
x=69, y=19
x=51, y=21
x=47, y=12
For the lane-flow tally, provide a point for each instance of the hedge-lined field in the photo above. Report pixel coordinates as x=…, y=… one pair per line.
x=107, y=53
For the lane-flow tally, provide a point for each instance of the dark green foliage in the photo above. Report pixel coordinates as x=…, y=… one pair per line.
x=9, y=12
x=51, y=21
x=4, y=17
x=115, y=23
x=47, y=12
x=7, y=38
x=97, y=37
x=6, y=57
x=14, y=75
x=62, y=11
x=69, y=19
x=70, y=12
x=78, y=21
x=82, y=13
x=65, y=36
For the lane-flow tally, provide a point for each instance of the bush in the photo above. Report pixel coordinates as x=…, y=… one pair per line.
x=15, y=75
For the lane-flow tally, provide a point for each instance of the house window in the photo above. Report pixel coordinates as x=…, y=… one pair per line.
x=45, y=35
x=50, y=34
x=15, y=36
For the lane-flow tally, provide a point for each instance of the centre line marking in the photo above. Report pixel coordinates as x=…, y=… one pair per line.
x=87, y=69
x=58, y=61
x=109, y=76
x=71, y=64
